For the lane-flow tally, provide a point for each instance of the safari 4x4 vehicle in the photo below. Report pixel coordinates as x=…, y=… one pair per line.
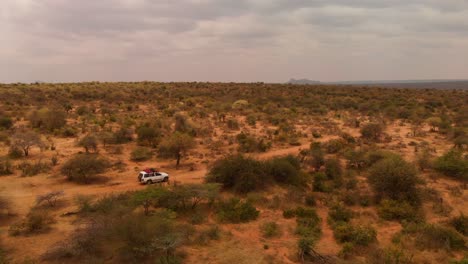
x=149, y=176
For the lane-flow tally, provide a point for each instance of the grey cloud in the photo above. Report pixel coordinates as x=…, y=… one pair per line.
x=283, y=35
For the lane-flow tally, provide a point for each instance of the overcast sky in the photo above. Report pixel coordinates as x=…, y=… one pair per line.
x=232, y=40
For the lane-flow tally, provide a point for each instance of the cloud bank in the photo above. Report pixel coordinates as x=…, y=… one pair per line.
x=222, y=40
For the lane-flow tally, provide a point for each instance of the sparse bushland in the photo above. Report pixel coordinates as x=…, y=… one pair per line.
x=84, y=168
x=242, y=174
x=280, y=114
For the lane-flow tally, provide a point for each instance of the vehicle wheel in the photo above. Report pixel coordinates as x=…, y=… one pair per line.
x=149, y=182
x=166, y=179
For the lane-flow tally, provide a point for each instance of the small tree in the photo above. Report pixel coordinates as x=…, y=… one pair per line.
x=26, y=140
x=148, y=136
x=89, y=143
x=51, y=198
x=176, y=146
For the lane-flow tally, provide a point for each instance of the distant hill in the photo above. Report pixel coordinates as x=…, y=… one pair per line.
x=303, y=81
x=418, y=84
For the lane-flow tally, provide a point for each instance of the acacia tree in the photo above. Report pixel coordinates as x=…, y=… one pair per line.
x=25, y=140
x=176, y=146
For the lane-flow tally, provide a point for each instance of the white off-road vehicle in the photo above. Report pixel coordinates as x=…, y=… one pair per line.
x=150, y=176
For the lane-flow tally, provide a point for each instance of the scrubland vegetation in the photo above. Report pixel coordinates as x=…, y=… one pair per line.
x=259, y=173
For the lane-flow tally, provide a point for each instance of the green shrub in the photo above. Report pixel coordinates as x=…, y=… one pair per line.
x=285, y=170
x=239, y=173
x=334, y=145
x=398, y=210
x=433, y=236
x=460, y=223
x=248, y=143
x=144, y=237
x=394, y=178
x=339, y=213
x=141, y=154
x=236, y=211
x=309, y=227
x=289, y=213
x=391, y=255
x=48, y=119
x=84, y=168
x=372, y=131
x=310, y=200
x=232, y=124
x=36, y=221
x=462, y=261
x=317, y=156
x=358, y=235
x=89, y=143
x=14, y=152
x=32, y=169
x=347, y=250
x=270, y=229
x=3, y=256
x=334, y=171
x=319, y=184
x=6, y=122
x=121, y=136
x=453, y=164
